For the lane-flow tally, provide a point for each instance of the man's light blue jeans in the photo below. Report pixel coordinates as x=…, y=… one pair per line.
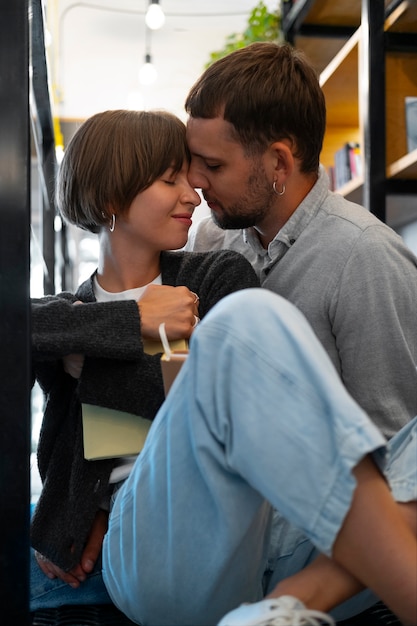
x=257, y=419
x=257, y=415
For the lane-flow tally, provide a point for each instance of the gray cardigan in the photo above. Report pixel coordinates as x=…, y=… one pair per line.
x=117, y=374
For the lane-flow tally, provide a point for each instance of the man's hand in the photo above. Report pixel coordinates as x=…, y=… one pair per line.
x=92, y=550
x=177, y=307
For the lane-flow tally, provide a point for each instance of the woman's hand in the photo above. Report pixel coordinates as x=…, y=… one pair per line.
x=73, y=364
x=176, y=307
x=92, y=550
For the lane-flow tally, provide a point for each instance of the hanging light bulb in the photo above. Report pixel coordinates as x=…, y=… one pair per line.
x=155, y=17
x=147, y=73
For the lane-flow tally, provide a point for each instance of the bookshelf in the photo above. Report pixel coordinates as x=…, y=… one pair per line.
x=365, y=52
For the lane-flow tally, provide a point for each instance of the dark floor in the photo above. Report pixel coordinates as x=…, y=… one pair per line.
x=92, y=615
x=377, y=615
x=107, y=615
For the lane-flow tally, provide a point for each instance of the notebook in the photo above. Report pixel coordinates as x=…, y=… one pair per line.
x=108, y=433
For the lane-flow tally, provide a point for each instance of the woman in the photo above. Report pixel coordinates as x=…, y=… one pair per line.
x=123, y=176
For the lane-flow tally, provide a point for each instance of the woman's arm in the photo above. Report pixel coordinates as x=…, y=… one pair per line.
x=109, y=329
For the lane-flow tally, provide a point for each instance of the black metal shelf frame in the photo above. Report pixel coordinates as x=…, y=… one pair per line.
x=25, y=123
x=15, y=310
x=44, y=140
x=372, y=93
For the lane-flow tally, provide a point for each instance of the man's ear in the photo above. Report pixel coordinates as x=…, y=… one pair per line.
x=282, y=158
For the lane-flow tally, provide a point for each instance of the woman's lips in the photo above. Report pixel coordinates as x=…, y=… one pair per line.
x=184, y=218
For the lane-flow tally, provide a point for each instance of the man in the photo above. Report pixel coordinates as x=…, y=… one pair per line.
x=255, y=131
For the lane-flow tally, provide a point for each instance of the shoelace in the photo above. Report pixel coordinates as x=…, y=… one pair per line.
x=301, y=617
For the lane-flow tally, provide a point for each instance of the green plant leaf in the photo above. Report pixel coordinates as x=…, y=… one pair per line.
x=262, y=26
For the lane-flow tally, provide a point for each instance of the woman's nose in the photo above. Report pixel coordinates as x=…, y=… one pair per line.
x=190, y=195
x=196, y=199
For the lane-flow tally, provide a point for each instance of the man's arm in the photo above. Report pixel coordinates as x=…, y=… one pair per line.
x=376, y=331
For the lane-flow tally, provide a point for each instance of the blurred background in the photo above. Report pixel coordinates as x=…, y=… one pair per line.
x=96, y=50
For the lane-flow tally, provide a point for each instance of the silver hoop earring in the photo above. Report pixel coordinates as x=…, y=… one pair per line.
x=274, y=187
x=112, y=223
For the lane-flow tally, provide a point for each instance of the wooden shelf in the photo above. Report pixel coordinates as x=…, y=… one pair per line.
x=335, y=13
x=404, y=168
x=403, y=18
x=401, y=81
x=330, y=15
x=318, y=56
x=320, y=29
x=345, y=12
x=401, y=74
x=339, y=82
x=353, y=188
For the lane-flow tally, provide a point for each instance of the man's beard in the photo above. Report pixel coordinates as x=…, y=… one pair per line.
x=252, y=207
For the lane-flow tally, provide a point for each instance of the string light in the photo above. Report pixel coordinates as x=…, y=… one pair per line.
x=147, y=73
x=155, y=17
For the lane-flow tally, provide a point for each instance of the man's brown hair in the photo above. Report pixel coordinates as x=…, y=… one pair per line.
x=268, y=92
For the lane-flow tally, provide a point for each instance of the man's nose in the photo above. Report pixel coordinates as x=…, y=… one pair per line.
x=196, y=178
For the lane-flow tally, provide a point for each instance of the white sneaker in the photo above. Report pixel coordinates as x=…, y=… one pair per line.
x=283, y=611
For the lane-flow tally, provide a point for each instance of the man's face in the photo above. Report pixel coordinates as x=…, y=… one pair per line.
x=235, y=186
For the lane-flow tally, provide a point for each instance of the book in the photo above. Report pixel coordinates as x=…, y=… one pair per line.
x=347, y=163
x=411, y=122
x=355, y=159
x=108, y=433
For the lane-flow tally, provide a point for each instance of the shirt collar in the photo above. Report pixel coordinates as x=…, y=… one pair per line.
x=298, y=221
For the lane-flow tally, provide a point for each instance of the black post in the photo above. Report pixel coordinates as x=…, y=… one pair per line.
x=15, y=311
x=45, y=141
x=372, y=78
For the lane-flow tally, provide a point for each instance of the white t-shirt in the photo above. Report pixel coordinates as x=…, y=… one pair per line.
x=125, y=464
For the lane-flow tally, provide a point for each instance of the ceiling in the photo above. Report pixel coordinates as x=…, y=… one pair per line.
x=97, y=47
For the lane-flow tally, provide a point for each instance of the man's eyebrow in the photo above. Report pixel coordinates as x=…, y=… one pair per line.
x=206, y=157
x=197, y=154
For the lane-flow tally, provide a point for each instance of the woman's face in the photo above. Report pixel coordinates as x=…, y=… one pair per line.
x=160, y=216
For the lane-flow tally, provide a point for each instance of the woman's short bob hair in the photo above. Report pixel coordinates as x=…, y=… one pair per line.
x=112, y=157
